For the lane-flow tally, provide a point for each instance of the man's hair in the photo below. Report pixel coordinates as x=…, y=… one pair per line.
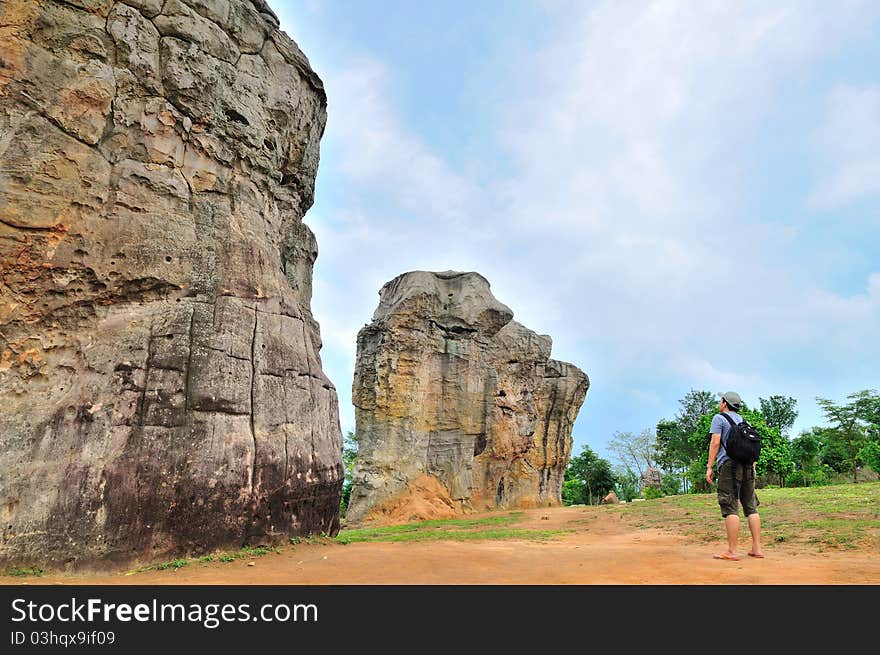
x=735, y=408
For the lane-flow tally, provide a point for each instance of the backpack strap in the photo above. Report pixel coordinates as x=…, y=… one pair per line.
x=732, y=426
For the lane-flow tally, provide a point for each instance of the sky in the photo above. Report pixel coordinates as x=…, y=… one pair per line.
x=684, y=195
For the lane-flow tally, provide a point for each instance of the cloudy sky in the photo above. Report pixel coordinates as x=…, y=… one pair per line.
x=684, y=195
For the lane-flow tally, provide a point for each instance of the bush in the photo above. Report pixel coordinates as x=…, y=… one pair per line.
x=627, y=486
x=652, y=492
x=573, y=493
x=824, y=475
x=819, y=476
x=21, y=572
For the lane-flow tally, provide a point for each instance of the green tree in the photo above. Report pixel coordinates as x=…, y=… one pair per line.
x=592, y=473
x=349, y=457
x=805, y=451
x=670, y=485
x=779, y=412
x=833, y=451
x=775, y=456
x=696, y=475
x=673, y=452
x=869, y=413
x=699, y=440
x=870, y=454
x=693, y=407
x=852, y=422
x=667, y=445
x=628, y=483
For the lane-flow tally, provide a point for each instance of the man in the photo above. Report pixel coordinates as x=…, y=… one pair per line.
x=736, y=483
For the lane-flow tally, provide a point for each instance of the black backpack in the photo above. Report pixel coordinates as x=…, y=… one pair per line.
x=743, y=442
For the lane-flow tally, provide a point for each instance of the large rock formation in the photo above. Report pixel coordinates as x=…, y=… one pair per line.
x=457, y=406
x=651, y=477
x=160, y=383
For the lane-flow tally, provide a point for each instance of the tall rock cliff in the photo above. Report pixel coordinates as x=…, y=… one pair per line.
x=160, y=382
x=457, y=406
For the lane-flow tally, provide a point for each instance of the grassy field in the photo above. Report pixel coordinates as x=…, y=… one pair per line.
x=837, y=516
x=492, y=527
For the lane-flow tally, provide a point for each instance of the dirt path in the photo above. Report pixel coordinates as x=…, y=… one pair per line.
x=605, y=551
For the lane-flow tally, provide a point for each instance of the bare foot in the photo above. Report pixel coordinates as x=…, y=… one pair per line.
x=733, y=557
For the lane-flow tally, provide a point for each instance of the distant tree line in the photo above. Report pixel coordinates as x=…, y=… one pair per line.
x=679, y=447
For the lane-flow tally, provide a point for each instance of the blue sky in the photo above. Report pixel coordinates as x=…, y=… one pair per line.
x=683, y=195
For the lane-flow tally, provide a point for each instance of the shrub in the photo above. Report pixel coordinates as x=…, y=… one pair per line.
x=627, y=486
x=651, y=493
x=573, y=493
x=21, y=572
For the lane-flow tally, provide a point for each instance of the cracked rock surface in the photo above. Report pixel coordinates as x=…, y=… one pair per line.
x=449, y=389
x=161, y=389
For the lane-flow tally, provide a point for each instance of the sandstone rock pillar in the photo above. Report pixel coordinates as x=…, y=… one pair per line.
x=457, y=406
x=160, y=378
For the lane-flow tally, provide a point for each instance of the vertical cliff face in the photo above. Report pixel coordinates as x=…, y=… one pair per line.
x=160, y=378
x=456, y=405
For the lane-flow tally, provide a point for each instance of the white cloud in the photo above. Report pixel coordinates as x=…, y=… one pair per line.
x=632, y=132
x=713, y=378
x=377, y=151
x=846, y=324
x=656, y=99
x=848, y=147
x=623, y=154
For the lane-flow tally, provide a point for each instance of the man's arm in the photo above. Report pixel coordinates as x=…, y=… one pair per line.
x=714, y=445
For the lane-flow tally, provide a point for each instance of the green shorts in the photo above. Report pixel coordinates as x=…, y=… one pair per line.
x=736, y=484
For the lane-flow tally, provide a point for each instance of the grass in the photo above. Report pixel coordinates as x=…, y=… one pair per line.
x=323, y=539
x=229, y=556
x=24, y=571
x=163, y=566
x=842, y=516
x=376, y=534
x=488, y=528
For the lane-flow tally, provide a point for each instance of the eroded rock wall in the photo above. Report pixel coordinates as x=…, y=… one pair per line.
x=448, y=386
x=161, y=387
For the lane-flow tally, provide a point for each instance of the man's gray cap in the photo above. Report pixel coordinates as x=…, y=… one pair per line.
x=731, y=398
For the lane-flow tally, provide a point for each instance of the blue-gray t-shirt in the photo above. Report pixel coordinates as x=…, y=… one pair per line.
x=720, y=425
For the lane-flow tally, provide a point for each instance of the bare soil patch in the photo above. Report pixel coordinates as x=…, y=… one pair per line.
x=598, y=545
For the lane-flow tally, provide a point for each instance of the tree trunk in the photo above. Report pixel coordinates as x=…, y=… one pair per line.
x=852, y=458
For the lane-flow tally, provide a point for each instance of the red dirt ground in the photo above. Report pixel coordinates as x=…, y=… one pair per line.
x=603, y=552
